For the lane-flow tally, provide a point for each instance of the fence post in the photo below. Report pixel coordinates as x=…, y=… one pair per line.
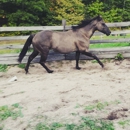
x=63, y=24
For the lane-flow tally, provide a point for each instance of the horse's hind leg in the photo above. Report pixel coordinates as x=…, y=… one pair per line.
x=31, y=57
x=77, y=60
x=94, y=56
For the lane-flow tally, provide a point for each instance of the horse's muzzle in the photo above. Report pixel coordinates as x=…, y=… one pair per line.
x=108, y=33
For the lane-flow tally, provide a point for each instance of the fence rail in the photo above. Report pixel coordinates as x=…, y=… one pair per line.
x=101, y=53
x=32, y=28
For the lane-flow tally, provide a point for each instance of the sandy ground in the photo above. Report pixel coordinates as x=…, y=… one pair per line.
x=58, y=96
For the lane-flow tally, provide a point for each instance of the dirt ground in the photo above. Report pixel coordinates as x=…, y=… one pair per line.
x=59, y=95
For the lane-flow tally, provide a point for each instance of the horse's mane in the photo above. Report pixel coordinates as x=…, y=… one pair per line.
x=85, y=22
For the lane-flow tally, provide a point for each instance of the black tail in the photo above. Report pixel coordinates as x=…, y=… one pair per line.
x=25, y=48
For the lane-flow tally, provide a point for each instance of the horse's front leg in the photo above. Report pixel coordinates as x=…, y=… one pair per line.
x=94, y=56
x=77, y=60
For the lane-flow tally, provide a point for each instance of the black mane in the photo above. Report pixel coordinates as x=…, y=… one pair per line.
x=85, y=22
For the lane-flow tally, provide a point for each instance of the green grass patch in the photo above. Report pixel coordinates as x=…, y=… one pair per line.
x=10, y=51
x=22, y=65
x=13, y=51
x=109, y=45
x=119, y=56
x=100, y=105
x=3, y=68
x=13, y=111
x=97, y=106
x=124, y=123
x=102, y=60
x=82, y=123
x=1, y=127
x=12, y=42
x=86, y=123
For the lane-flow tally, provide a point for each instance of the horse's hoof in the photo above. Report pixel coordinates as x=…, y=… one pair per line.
x=102, y=66
x=50, y=71
x=78, y=68
x=26, y=71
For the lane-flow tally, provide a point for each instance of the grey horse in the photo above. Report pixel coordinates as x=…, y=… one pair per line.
x=75, y=40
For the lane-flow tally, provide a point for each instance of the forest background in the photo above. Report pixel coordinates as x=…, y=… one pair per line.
x=51, y=12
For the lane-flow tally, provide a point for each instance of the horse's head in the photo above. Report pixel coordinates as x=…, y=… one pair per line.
x=102, y=27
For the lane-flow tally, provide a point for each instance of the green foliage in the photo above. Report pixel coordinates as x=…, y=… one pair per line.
x=119, y=56
x=113, y=15
x=94, y=124
x=97, y=106
x=100, y=105
x=24, y=12
x=124, y=123
x=13, y=111
x=109, y=45
x=98, y=8
x=53, y=126
x=95, y=8
x=22, y=66
x=3, y=68
x=86, y=123
x=51, y=12
x=72, y=11
x=1, y=127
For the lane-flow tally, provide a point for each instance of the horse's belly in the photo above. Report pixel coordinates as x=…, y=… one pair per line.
x=65, y=49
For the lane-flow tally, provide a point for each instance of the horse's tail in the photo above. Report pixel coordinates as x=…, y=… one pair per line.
x=25, y=48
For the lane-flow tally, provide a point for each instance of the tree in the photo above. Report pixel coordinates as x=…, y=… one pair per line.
x=23, y=12
x=72, y=11
x=121, y=7
x=126, y=10
x=99, y=8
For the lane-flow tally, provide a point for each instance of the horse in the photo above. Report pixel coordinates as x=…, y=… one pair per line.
x=77, y=39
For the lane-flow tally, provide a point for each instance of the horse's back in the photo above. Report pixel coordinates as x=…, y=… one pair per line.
x=43, y=38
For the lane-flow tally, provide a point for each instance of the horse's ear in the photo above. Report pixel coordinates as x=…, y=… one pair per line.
x=99, y=17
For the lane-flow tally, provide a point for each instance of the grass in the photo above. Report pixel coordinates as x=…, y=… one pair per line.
x=13, y=111
x=97, y=106
x=124, y=123
x=119, y=56
x=108, y=45
x=22, y=65
x=12, y=42
x=10, y=51
x=3, y=68
x=86, y=123
x=100, y=105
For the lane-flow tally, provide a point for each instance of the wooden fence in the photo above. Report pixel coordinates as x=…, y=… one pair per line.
x=101, y=53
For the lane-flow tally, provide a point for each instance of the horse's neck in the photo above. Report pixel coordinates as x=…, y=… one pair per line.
x=89, y=30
